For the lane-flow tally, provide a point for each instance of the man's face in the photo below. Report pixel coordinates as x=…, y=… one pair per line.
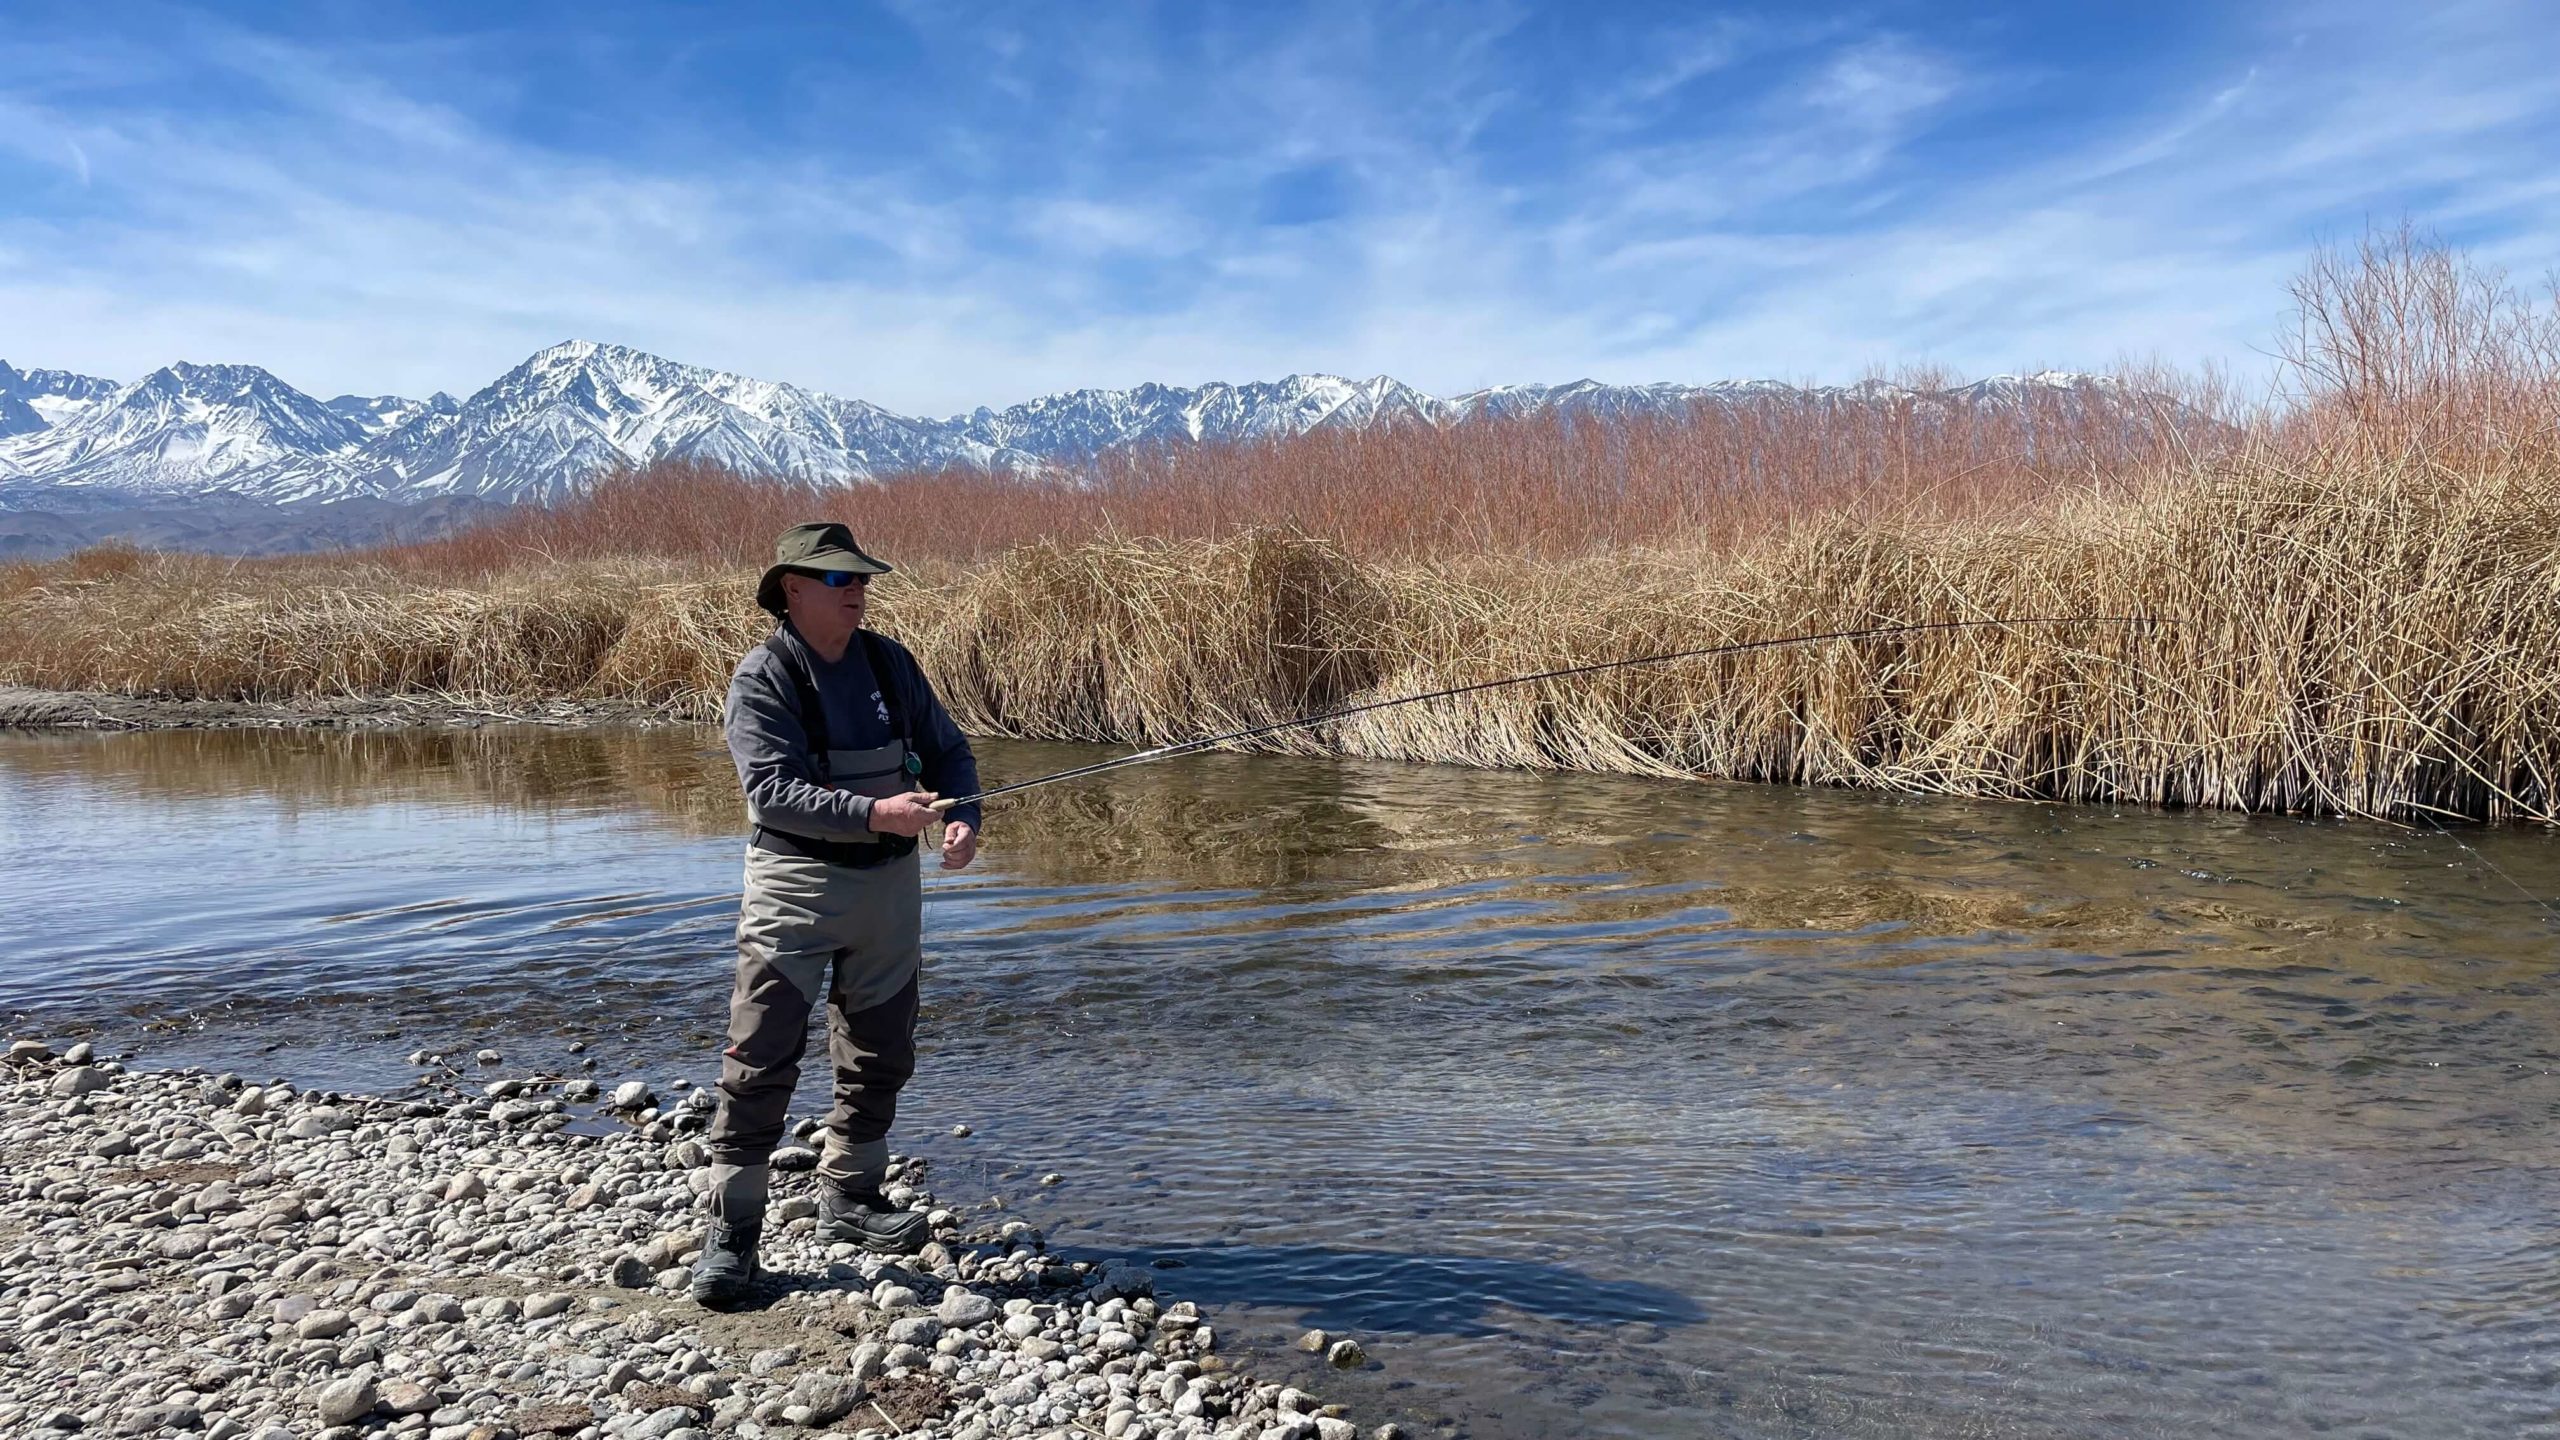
x=818, y=605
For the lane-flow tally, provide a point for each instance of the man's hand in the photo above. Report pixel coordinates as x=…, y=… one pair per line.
x=959, y=845
x=906, y=814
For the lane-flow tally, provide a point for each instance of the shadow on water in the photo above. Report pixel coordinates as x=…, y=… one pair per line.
x=1403, y=1293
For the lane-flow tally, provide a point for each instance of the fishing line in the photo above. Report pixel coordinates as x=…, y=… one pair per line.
x=1188, y=747
x=2495, y=868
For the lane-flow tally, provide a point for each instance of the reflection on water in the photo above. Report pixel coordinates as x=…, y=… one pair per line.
x=1596, y=1106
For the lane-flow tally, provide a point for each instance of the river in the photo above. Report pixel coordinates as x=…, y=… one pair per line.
x=1593, y=1106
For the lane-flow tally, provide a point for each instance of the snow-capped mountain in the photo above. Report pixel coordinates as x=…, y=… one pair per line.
x=375, y=414
x=1081, y=424
x=579, y=408
x=188, y=428
x=32, y=400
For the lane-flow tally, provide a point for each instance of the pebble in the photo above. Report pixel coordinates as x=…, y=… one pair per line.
x=1314, y=1342
x=1346, y=1354
x=631, y=1095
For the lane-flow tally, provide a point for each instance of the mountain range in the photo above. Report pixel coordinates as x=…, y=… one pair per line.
x=237, y=432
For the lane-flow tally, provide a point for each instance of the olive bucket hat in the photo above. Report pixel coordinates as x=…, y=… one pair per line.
x=819, y=545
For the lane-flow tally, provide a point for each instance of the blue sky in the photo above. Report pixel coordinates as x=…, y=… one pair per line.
x=935, y=206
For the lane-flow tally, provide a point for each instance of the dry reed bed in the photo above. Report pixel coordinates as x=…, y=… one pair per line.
x=2343, y=633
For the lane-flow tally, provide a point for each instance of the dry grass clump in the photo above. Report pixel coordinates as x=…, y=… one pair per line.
x=1151, y=641
x=197, y=627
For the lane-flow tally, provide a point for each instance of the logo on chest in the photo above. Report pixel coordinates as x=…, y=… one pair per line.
x=883, y=704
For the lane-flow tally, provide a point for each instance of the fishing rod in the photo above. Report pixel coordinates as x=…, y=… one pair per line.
x=1189, y=747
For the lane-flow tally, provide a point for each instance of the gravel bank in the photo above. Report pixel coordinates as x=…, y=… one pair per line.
x=183, y=1253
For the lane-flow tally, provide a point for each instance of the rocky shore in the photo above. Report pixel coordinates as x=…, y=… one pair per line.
x=193, y=1254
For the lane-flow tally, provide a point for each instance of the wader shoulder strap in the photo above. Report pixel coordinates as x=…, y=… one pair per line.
x=804, y=696
x=885, y=675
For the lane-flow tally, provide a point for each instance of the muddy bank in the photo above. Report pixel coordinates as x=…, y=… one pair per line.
x=26, y=709
x=503, y=1256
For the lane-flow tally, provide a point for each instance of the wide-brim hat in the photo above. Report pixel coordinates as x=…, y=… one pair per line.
x=819, y=545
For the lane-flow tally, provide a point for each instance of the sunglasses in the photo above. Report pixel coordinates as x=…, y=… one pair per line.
x=835, y=579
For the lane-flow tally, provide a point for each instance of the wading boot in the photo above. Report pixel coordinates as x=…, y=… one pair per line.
x=725, y=1274
x=866, y=1218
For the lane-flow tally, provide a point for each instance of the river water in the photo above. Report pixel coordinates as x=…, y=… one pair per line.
x=1593, y=1106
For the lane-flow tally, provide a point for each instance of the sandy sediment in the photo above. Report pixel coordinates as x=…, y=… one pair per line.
x=184, y=1253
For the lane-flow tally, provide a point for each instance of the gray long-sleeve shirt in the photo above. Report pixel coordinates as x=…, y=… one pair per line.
x=780, y=773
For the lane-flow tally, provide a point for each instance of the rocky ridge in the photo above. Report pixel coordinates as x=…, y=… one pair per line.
x=191, y=1254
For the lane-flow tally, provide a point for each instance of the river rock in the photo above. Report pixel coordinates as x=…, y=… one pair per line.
x=78, y=1054
x=962, y=1309
x=917, y=1330
x=630, y=1272
x=828, y=1397
x=792, y=1158
x=155, y=1419
x=73, y=1083
x=344, y=1402
x=323, y=1325
x=29, y=1052
x=659, y=1424
x=631, y=1095
x=1314, y=1342
x=407, y=1397
x=1346, y=1354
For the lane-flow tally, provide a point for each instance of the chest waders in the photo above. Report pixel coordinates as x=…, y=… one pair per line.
x=835, y=919
x=891, y=769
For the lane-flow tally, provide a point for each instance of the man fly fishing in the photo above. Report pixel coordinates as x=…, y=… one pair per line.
x=842, y=749
x=840, y=745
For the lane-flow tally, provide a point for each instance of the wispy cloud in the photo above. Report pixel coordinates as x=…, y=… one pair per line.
x=1456, y=196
